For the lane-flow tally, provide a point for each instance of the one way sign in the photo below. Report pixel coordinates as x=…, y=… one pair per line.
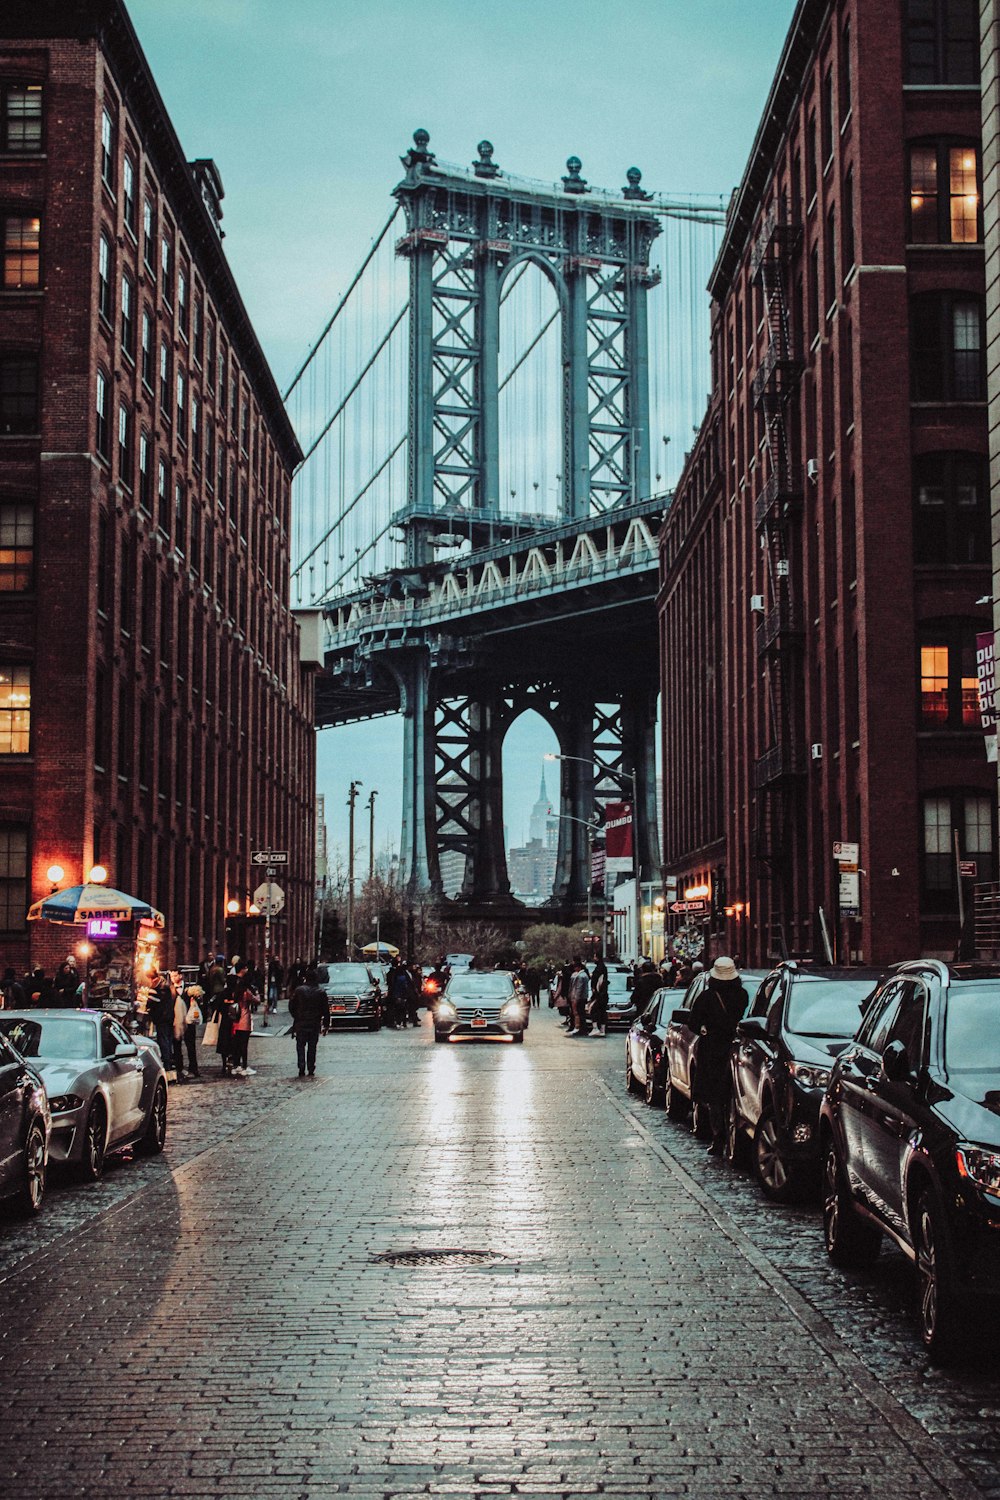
x=269, y=857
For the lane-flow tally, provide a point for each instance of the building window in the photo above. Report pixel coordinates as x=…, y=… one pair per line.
x=128, y=193
x=827, y=114
x=22, y=252
x=21, y=123
x=162, y=497
x=18, y=393
x=124, y=446
x=947, y=347
x=180, y=517
x=209, y=359
x=103, y=416
x=845, y=73
x=949, y=686
x=195, y=430
x=108, y=134
x=951, y=508
x=181, y=398
x=17, y=546
x=944, y=194
x=128, y=315
x=197, y=330
x=970, y=815
x=145, y=474
x=165, y=392
x=209, y=453
x=182, y=302
x=942, y=41
x=167, y=269
x=104, y=278
x=245, y=426
x=105, y=565
x=847, y=223
x=13, y=877
x=811, y=173
x=147, y=349
x=148, y=233
x=15, y=709
x=830, y=261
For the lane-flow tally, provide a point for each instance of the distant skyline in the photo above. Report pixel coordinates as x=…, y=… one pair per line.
x=309, y=152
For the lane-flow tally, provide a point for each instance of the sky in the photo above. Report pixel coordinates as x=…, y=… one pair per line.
x=307, y=105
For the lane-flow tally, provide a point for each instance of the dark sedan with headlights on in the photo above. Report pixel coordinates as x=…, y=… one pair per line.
x=106, y=1089
x=481, y=1005
x=804, y=1017
x=24, y=1131
x=354, y=995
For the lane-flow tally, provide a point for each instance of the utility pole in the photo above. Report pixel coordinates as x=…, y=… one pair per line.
x=352, y=798
x=371, y=834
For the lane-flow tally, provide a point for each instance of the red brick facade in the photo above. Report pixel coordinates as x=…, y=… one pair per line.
x=170, y=719
x=825, y=562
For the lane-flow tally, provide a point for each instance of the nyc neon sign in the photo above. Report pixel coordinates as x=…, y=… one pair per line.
x=101, y=927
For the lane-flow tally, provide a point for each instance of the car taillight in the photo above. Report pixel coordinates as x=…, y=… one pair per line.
x=657, y=1056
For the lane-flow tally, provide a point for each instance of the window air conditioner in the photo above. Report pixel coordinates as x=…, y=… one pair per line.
x=812, y=469
x=757, y=603
x=816, y=751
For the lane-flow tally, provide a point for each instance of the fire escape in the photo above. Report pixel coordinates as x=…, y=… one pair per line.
x=779, y=771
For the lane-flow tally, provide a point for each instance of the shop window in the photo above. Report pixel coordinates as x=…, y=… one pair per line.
x=941, y=41
x=946, y=347
x=22, y=252
x=945, y=199
x=949, y=688
x=13, y=877
x=103, y=414
x=128, y=193
x=951, y=508
x=21, y=118
x=104, y=303
x=15, y=709
x=947, y=813
x=17, y=546
x=108, y=141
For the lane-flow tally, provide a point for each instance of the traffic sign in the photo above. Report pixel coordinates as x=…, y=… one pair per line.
x=269, y=857
x=679, y=907
x=269, y=898
x=968, y=869
x=846, y=854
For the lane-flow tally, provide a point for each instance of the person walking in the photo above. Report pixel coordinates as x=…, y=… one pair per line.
x=223, y=1011
x=714, y=1015
x=66, y=984
x=160, y=1009
x=309, y=1010
x=12, y=996
x=599, y=997
x=244, y=997
x=192, y=1020
x=180, y=1023
x=275, y=979
x=579, y=989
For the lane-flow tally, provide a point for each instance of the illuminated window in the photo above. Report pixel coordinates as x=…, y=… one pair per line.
x=939, y=217
x=22, y=252
x=949, y=694
x=17, y=544
x=15, y=709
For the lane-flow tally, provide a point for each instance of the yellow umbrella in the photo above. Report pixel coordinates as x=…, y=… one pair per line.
x=375, y=950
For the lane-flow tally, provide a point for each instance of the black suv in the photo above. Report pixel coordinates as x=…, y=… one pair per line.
x=911, y=1141
x=802, y=1018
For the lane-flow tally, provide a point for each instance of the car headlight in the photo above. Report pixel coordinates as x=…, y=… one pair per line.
x=447, y=1010
x=513, y=1009
x=808, y=1076
x=982, y=1167
x=63, y=1102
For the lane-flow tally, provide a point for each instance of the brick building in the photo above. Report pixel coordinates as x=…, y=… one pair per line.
x=825, y=566
x=154, y=713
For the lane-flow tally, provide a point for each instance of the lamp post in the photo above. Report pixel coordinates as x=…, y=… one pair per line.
x=371, y=834
x=352, y=798
x=586, y=760
x=591, y=825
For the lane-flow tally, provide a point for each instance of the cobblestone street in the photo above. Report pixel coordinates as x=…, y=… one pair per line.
x=265, y=1309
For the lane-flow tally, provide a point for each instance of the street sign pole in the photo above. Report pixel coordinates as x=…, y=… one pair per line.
x=267, y=950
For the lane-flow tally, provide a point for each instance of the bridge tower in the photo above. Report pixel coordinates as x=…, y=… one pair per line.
x=467, y=232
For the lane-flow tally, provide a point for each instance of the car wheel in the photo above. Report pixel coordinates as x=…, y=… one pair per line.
x=375, y=1025
x=850, y=1242
x=944, y=1329
x=651, y=1091
x=736, y=1142
x=155, y=1134
x=774, y=1175
x=701, y=1122
x=631, y=1082
x=518, y=1036
x=95, y=1141
x=674, y=1101
x=29, y=1199
x=440, y=1036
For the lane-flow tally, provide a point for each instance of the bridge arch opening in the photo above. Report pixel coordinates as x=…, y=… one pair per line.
x=530, y=417
x=530, y=807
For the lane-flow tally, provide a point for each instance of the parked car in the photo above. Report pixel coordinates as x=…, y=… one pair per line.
x=354, y=995
x=622, y=1009
x=803, y=1018
x=25, y=1123
x=910, y=1131
x=645, y=1047
x=459, y=963
x=106, y=1089
x=680, y=1043
x=481, y=1005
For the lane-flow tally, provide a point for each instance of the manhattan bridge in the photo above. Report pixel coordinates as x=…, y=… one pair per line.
x=487, y=420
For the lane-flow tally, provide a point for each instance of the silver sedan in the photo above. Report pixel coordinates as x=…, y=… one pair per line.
x=107, y=1090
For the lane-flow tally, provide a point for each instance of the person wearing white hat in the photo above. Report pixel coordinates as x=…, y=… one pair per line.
x=714, y=1015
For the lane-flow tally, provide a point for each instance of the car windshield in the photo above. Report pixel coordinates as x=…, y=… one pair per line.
x=971, y=1032
x=480, y=986
x=828, y=1007
x=72, y=1037
x=345, y=976
x=618, y=984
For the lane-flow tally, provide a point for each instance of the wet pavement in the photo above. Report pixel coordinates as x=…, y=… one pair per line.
x=458, y=1270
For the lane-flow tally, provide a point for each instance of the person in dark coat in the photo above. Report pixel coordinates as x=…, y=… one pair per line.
x=599, y=997
x=310, y=1012
x=714, y=1015
x=12, y=990
x=647, y=982
x=66, y=985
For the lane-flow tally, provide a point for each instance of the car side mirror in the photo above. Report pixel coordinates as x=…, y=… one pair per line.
x=896, y=1063
x=126, y=1049
x=751, y=1028
x=680, y=1018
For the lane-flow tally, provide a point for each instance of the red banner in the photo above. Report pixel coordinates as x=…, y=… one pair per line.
x=618, y=830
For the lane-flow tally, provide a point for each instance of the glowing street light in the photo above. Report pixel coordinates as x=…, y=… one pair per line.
x=98, y=875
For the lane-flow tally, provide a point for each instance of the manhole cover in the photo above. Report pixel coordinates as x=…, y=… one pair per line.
x=447, y=1257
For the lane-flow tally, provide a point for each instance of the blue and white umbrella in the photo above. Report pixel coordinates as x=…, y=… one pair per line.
x=86, y=903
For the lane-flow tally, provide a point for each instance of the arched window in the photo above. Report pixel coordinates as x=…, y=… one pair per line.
x=951, y=517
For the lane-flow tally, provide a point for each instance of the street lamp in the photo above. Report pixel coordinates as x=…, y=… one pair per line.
x=591, y=825
x=587, y=760
x=98, y=875
x=352, y=798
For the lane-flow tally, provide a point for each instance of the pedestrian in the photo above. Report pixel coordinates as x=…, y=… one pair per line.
x=599, y=997
x=38, y=988
x=560, y=995
x=160, y=1009
x=66, y=985
x=413, y=993
x=243, y=996
x=579, y=989
x=647, y=982
x=714, y=1015
x=180, y=1023
x=223, y=1012
x=12, y=996
x=192, y=1020
x=296, y=975
x=275, y=979
x=310, y=1012
x=533, y=982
